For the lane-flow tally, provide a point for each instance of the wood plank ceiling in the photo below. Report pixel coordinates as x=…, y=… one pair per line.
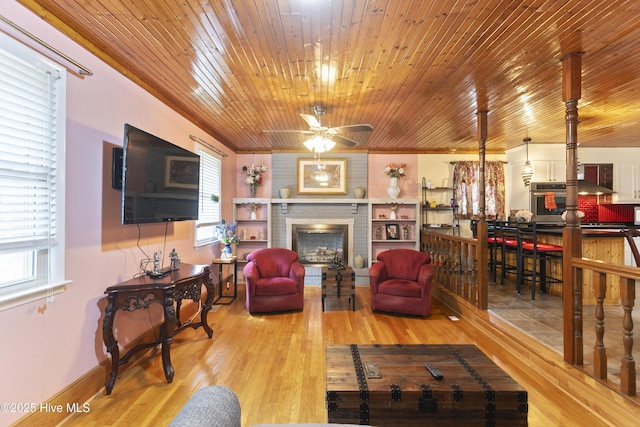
x=417, y=71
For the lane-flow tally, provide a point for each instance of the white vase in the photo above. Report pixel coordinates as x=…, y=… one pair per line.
x=253, y=215
x=358, y=192
x=392, y=215
x=358, y=261
x=393, y=189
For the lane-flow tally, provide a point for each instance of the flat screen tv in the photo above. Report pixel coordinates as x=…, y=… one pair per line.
x=159, y=180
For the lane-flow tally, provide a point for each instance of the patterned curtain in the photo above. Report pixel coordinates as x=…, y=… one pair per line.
x=465, y=180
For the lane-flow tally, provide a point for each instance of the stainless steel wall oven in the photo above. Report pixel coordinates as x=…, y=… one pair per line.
x=548, y=201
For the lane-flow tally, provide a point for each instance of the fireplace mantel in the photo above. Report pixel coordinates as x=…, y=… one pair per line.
x=284, y=203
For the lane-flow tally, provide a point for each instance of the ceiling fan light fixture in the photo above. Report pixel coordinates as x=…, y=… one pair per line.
x=319, y=144
x=328, y=144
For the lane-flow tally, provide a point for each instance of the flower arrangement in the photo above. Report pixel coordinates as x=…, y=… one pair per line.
x=524, y=215
x=405, y=229
x=395, y=170
x=227, y=232
x=564, y=215
x=254, y=177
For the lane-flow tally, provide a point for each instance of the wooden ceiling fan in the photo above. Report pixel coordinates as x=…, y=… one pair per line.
x=316, y=129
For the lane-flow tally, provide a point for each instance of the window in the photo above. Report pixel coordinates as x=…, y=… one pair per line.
x=31, y=175
x=209, y=210
x=466, y=179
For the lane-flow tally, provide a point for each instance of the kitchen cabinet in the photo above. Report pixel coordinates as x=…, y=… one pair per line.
x=626, y=183
x=549, y=170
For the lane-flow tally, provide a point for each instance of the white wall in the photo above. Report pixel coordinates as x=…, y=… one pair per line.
x=48, y=346
x=549, y=164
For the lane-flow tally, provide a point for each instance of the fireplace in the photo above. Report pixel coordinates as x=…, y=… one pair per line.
x=318, y=241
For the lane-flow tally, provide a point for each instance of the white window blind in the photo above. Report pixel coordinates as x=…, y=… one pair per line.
x=210, y=184
x=30, y=173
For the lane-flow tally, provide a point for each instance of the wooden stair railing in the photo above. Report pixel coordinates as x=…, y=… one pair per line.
x=457, y=268
x=628, y=276
x=455, y=264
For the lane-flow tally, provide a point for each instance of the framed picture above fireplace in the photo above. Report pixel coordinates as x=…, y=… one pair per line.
x=328, y=176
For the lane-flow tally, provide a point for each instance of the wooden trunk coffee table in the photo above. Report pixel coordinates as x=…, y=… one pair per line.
x=339, y=284
x=389, y=385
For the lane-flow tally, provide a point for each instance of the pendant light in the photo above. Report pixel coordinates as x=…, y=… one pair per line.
x=527, y=170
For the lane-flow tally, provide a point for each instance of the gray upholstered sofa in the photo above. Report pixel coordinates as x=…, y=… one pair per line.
x=217, y=406
x=212, y=406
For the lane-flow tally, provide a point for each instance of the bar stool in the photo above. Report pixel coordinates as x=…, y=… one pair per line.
x=494, y=241
x=510, y=244
x=541, y=255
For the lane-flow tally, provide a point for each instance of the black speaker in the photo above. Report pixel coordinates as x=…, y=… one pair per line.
x=116, y=168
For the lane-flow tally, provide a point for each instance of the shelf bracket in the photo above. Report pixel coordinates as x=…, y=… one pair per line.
x=284, y=207
x=354, y=208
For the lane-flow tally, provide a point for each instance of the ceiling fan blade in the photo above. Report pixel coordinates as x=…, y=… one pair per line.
x=342, y=140
x=354, y=128
x=311, y=121
x=306, y=132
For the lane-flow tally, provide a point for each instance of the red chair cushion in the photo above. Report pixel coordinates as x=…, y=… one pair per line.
x=542, y=247
x=510, y=242
x=276, y=286
x=400, y=288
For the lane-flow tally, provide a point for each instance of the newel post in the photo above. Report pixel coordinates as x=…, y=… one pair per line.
x=482, y=234
x=572, y=234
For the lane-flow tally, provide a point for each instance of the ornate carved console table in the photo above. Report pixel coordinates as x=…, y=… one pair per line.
x=169, y=291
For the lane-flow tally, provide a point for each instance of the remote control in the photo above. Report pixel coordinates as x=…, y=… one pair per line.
x=433, y=371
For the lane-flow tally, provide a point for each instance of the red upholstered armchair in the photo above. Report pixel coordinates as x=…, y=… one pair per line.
x=401, y=282
x=275, y=281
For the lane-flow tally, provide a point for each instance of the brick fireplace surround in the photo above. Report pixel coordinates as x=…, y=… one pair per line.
x=321, y=207
x=353, y=212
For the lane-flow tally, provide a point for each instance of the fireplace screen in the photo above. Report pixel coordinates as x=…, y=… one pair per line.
x=319, y=244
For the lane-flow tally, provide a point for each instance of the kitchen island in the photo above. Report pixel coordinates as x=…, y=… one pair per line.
x=603, y=242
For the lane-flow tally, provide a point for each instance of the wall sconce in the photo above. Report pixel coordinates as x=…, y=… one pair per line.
x=527, y=170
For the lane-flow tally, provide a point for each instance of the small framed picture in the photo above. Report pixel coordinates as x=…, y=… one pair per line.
x=181, y=172
x=393, y=231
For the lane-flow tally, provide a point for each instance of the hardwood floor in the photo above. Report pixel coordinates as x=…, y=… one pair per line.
x=276, y=365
